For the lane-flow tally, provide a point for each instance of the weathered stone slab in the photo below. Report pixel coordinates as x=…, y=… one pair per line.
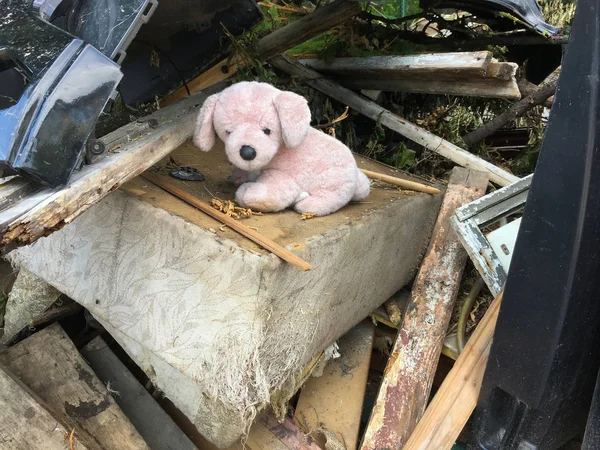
x=220, y=325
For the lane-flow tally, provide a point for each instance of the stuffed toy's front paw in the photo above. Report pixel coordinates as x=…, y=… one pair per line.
x=239, y=176
x=256, y=196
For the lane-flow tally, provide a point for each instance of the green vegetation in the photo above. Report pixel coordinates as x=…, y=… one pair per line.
x=446, y=116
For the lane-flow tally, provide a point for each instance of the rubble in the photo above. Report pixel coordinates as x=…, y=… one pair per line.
x=166, y=316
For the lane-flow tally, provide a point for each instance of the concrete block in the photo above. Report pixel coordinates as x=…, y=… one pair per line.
x=221, y=326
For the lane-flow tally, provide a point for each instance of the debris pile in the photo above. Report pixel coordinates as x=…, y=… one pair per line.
x=369, y=329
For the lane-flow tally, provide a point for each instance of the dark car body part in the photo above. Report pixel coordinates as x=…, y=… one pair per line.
x=545, y=355
x=55, y=84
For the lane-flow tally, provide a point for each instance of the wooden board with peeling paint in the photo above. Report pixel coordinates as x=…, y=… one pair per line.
x=408, y=377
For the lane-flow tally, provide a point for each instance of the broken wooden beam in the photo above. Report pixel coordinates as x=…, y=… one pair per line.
x=408, y=377
x=279, y=41
x=49, y=364
x=26, y=424
x=538, y=97
x=392, y=121
x=140, y=145
x=430, y=65
x=329, y=407
x=463, y=73
x=456, y=398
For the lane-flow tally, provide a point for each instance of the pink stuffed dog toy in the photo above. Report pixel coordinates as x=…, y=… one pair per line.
x=279, y=160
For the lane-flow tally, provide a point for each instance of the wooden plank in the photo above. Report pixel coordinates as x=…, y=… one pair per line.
x=475, y=87
x=275, y=43
x=473, y=74
x=51, y=209
x=446, y=66
x=251, y=234
x=25, y=424
x=151, y=421
x=406, y=385
x=456, y=399
x=49, y=364
x=392, y=121
x=334, y=401
x=269, y=434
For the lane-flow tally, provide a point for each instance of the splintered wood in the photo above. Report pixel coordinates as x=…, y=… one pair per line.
x=269, y=434
x=48, y=210
x=409, y=374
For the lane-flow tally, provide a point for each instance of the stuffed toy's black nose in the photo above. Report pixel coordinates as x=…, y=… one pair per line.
x=247, y=153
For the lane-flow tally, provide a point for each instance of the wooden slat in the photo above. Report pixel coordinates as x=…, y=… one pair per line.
x=431, y=65
x=50, y=209
x=408, y=377
x=152, y=422
x=392, y=121
x=476, y=87
x=49, y=364
x=25, y=424
x=277, y=42
x=457, y=397
x=334, y=401
x=251, y=234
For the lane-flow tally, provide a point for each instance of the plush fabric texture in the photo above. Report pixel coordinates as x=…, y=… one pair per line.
x=279, y=160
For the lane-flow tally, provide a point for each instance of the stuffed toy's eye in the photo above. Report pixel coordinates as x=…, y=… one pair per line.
x=228, y=132
x=267, y=131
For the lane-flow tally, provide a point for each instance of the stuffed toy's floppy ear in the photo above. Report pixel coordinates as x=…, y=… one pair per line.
x=204, y=134
x=294, y=116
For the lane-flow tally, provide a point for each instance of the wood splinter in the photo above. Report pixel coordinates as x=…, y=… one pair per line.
x=244, y=230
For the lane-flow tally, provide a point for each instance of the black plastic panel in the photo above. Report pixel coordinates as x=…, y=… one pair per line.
x=546, y=350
